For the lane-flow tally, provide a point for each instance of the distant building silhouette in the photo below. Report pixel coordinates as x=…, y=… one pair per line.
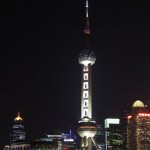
x=54, y=142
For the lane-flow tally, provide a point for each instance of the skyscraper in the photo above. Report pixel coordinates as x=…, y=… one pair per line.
x=17, y=137
x=115, y=134
x=138, y=128
x=100, y=137
x=18, y=132
x=87, y=127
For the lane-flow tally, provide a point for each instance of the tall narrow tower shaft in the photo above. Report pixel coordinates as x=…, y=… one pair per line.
x=86, y=59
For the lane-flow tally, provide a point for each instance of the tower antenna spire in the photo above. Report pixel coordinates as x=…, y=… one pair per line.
x=87, y=12
x=87, y=26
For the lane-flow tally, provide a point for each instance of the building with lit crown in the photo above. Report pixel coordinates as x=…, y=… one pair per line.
x=138, y=128
x=17, y=137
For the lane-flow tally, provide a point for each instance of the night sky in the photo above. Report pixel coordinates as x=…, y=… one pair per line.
x=39, y=71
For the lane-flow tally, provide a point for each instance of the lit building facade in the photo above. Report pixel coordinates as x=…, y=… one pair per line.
x=138, y=128
x=17, y=137
x=20, y=146
x=115, y=134
x=87, y=127
x=100, y=137
x=6, y=147
x=69, y=141
x=18, y=132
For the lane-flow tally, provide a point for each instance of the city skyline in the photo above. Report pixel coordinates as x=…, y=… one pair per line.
x=40, y=74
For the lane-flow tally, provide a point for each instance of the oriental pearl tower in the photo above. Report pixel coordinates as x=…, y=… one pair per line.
x=86, y=126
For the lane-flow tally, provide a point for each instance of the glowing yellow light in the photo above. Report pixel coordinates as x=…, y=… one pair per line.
x=138, y=103
x=129, y=117
x=18, y=117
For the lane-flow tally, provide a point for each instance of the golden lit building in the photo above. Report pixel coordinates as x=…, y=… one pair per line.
x=138, y=127
x=17, y=137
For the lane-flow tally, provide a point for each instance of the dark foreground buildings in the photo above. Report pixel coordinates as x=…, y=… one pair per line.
x=54, y=142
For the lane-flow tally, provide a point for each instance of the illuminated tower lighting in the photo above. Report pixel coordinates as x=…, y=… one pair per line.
x=87, y=126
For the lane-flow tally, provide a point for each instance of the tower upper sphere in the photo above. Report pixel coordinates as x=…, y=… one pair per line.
x=87, y=57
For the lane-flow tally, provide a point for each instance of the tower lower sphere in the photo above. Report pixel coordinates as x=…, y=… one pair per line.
x=86, y=128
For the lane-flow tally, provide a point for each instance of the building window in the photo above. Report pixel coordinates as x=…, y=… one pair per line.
x=85, y=85
x=85, y=103
x=85, y=113
x=85, y=94
x=85, y=76
x=85, y=68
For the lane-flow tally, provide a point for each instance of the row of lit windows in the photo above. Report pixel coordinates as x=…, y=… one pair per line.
x=21, y=148
x=85, y=95
x=85, y=87
x=18, y=126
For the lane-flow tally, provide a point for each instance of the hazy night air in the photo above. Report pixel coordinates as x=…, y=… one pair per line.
x=40, y=74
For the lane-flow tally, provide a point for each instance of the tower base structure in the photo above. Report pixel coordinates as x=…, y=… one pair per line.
x=87, y=143
x=87, y=130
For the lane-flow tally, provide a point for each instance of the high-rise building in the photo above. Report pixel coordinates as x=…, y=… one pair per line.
x=100, y=137
x=18, y=131
x=17, y=137
x=138, y=127
x=115, y=134
x=87, y=127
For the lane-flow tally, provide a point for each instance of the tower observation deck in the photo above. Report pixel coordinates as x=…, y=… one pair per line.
x=86, y=126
